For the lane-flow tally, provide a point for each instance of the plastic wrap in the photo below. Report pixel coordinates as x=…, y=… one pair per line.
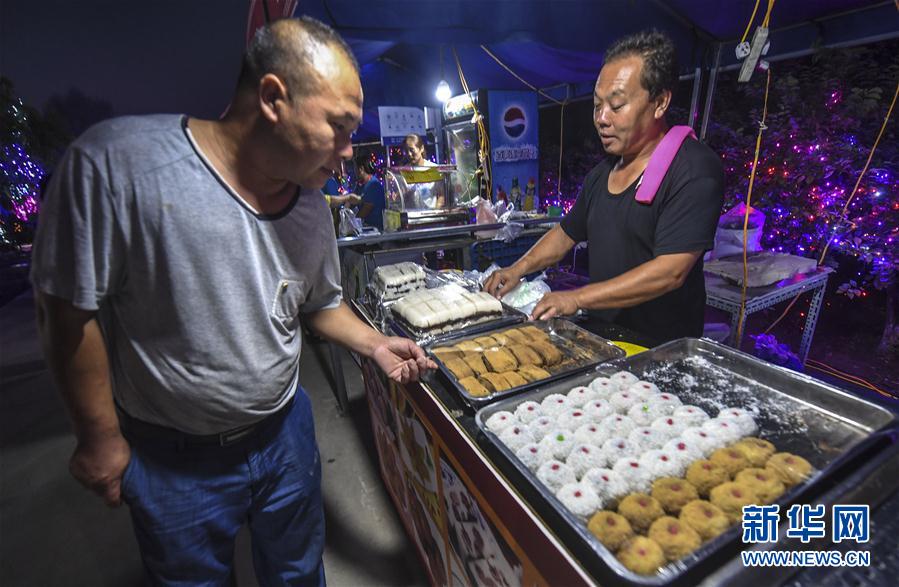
x=447, y=312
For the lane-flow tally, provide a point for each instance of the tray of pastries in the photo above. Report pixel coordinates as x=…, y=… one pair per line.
x=651, y=459
x=490, y=366
x=449, y=311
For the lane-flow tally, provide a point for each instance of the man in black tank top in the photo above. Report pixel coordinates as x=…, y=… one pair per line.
x=645, y=258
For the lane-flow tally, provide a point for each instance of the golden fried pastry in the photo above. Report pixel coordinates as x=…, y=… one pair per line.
x=500, y=360
x=756, y=450
x=611, y=529
x=642, y=555
x=447, y=353
x=524, y=355
x=731, y=497
x=730, y=459
x=474, y=387
x=475, y=362
x=459, y=368
x=791, y=469
x=532, y=373
x=517, y=336
x=676, y=538
x=534, y=333
x=765, y=482
x=502, y=339
x=496, y=381
x=514, y=378
x=550, y=353
x=705, y=474
x=468, y=345
x=641, y=510
x=673, y=493
x=707, y=519
x=486, y=342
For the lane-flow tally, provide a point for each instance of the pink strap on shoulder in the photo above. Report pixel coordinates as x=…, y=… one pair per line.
x=660, y=161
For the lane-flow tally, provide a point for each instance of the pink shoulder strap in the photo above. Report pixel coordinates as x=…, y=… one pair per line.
x=660, y=161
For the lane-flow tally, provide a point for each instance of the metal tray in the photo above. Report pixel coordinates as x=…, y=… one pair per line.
x=797, y=413
x=580, y=349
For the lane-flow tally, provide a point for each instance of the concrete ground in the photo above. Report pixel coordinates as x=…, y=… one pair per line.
x=54, y=532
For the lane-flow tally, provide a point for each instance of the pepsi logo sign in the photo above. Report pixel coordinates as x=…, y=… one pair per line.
x=514, y=122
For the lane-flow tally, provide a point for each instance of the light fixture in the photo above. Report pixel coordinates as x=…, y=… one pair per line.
x=443, y=92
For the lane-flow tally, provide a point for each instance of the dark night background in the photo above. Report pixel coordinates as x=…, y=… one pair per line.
x=138, y=57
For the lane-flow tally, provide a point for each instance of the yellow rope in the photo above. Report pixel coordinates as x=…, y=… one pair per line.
x=483, y=138
x=864, y=170
x=752, y=18
x=848, y=201
x=755, y=162
x=767, y=19
x=518, y=77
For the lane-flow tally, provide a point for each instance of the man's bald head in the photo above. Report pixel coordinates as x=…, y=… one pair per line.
x=300, y=51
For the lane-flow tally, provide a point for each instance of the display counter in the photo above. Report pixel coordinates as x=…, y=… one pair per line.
x=474, y=520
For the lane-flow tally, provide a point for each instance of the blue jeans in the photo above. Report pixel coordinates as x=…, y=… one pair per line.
x=188, y=503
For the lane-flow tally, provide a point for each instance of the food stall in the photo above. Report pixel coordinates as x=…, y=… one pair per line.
x=479, y=514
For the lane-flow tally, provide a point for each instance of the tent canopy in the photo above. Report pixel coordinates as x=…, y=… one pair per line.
x=550, y=42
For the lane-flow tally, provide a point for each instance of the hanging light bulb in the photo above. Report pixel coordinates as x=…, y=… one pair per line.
x=443, y=92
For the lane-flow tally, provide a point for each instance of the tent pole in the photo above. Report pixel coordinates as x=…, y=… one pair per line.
x=694, y=100
x=710, y=92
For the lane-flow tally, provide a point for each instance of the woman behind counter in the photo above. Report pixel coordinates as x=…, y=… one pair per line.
x=421, y=195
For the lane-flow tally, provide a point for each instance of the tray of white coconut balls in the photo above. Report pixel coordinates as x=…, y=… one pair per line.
x=650, y=459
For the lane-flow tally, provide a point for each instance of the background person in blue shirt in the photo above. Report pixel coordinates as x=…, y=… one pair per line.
x=372, y=207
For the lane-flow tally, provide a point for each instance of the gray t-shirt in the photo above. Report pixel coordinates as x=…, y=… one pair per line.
x=199, y=297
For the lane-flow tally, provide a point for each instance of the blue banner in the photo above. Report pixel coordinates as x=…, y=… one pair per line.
x=514, y=155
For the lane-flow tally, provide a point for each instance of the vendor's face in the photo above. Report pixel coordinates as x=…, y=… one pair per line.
x=315, y=131
x=415, y=153
x=624, y=116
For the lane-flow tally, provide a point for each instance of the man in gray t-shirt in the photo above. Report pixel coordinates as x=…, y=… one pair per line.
x=173, y=261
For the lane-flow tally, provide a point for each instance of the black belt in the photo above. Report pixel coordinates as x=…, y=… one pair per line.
x=135, y=429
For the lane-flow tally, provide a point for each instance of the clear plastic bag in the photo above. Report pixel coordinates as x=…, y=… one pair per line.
x=527, y=294
x=349, y=224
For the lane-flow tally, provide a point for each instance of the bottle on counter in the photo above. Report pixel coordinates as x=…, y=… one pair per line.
x=515, y=194
x=530, y=196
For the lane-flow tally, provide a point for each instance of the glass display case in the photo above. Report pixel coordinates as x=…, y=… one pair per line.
x=419, y=197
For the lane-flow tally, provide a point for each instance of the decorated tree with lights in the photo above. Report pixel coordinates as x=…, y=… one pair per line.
x=20, y=172
x=824, y=115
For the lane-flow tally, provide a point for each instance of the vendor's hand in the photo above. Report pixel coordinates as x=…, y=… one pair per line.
x=401, y=359
x=99, y=464
x=501, y=282
x=557, y=303
x=353, y=200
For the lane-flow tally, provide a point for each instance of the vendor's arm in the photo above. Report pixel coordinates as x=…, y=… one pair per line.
x=550, y=249
x=337, y=200
x=645, y=282
x=400, y=358
x=76, y=354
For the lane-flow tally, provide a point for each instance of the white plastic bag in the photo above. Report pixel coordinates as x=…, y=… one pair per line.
x=729, y=236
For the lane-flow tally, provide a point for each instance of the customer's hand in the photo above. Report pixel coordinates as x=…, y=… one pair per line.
x=353, y=200
x=401, y=359
x=502, y=281
x=556, y=303
x=99, y=464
